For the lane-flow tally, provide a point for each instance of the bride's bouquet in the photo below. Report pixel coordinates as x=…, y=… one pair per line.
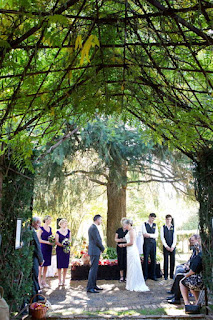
x=51, y=239
x=66, y=245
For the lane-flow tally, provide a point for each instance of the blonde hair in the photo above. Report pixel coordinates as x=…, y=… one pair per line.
x=62, y=221
x=128, y=221
x=122, y=220
x=46, y=218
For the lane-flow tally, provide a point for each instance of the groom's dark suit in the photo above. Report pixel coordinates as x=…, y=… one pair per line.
x=94, y=251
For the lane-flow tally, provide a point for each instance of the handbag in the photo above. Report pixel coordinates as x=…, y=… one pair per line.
x=4, y=309
x=192, y=309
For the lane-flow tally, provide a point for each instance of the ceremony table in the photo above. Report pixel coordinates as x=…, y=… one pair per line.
x=105, y=272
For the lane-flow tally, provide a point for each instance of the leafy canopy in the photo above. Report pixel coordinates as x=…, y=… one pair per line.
x=73, y=59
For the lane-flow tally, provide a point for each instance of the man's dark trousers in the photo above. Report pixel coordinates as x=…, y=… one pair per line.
x=176, y=286
x=92, y=278
x=166, y=255
x=149, y=249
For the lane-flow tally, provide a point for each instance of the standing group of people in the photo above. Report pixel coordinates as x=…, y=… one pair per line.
x=150, y=234
x=187, y=277
x=128, y=256
x=43, y=251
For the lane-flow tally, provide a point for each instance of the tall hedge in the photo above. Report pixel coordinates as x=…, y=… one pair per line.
x=16, y=264
x=204, y=194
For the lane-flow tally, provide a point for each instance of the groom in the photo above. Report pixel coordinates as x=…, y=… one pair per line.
x=94, y=251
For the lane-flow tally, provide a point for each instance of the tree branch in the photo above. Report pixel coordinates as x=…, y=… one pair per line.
x=57, y=144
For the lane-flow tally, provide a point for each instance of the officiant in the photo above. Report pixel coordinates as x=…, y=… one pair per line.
x=121, y=252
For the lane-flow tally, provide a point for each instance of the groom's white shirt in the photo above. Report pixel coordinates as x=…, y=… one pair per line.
x=152, y=235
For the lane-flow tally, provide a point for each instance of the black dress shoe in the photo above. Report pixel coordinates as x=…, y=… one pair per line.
x=173, y=301
x=170, y=298
x=98, y=288
x=166, y=278
x=92, y=291
x=170, y=292
x=154, y=279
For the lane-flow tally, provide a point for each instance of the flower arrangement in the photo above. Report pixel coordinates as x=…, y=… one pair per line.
x=76, y=263
x=38, y=306
x=66, y=245
x=51, y=239
x=107, y=262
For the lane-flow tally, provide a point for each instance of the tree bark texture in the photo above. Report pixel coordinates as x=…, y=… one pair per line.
x=116, y=205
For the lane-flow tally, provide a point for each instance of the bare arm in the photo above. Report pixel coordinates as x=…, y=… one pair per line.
x=190, y=273
x=131, y=242
x=39, y=232
x=70, y=236
x=119, y=240
x=57, y=240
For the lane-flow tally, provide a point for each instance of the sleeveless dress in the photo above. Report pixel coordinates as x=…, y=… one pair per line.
x=46, y=248
x=62, y=257
x=121, y=252
x=135, y=279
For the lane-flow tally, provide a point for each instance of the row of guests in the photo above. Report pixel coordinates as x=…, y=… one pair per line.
x=150, y=234
x=43, y=233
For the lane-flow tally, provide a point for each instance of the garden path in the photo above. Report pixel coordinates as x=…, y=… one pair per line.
x=73, y=298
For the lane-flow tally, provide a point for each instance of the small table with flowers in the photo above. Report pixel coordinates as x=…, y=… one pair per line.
x=108, y=270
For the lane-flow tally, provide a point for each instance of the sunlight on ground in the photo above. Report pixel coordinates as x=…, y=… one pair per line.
x=114, y=300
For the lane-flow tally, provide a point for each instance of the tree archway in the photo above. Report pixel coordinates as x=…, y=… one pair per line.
x=142, y=58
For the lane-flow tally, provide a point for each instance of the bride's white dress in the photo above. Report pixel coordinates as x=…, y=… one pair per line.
x=135, y=279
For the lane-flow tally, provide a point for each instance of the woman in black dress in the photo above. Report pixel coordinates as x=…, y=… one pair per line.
x=121, y=252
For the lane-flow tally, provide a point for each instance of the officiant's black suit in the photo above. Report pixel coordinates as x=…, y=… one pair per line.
x=94, y=251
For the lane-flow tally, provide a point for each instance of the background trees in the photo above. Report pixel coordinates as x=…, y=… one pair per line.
x=113, y=155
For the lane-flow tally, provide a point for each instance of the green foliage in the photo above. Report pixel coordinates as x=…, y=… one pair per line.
x=16, y=265
x=204, y=194
x=109, y=253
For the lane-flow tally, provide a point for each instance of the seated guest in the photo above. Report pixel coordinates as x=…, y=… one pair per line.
x=192, y=280
x=175, y=299
x=46, y=247
x=121, y=252
x=37, y=255
x=169, y=240
x=193, y=241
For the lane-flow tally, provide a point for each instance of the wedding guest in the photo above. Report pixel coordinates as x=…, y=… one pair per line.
x=46, y=247
x=94, y=251
x=121, y=251
x=150, y=233
x=169, y=240
x=37, y=255
x=182, y=270
x=192, y=280
x=62, y=256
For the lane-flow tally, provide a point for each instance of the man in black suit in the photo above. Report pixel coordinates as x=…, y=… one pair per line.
x=37, y=255
x=150, y=233
x=94, y=251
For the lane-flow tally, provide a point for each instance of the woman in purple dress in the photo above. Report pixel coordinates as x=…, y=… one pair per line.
x=46, y=247
x=62, y=257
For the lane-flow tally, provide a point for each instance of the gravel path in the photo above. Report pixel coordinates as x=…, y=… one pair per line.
x=73, y=298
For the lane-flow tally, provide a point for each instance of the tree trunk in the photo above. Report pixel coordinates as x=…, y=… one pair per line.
x=204, y=194
x=116, y=198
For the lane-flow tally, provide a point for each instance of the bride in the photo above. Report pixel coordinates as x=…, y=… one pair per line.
x=135, y=279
